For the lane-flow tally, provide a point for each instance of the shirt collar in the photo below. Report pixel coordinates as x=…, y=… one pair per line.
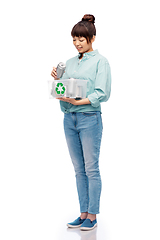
x=89, y=54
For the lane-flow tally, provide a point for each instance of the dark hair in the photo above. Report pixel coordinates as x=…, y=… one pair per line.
x=85, y=28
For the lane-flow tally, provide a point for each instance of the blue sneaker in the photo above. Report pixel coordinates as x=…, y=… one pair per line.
x=77, y=223
x=88, y=225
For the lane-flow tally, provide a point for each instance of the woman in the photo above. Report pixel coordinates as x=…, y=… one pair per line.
x=82, y=119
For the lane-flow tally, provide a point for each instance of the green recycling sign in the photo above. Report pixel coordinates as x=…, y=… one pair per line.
x=60, y=88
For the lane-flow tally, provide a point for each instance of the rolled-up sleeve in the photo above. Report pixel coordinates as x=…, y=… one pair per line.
x=102, y=87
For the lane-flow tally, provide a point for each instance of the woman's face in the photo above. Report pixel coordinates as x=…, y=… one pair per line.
x=81, y=44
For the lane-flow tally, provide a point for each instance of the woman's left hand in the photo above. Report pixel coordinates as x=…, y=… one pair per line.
x=69, y=100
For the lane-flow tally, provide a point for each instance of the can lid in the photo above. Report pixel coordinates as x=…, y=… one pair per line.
x=62, y=65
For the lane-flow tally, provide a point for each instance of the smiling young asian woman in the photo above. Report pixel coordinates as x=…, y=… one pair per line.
x=82, y=119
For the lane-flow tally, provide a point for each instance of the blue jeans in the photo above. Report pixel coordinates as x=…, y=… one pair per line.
x=83, y=133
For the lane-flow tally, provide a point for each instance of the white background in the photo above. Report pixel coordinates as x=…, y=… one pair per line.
x=37, y=182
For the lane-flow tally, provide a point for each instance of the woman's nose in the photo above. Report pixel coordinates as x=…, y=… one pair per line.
x=77, y=43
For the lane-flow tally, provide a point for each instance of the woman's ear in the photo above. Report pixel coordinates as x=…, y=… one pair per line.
x=93, y=39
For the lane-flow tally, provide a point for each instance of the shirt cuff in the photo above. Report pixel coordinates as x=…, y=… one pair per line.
x=93, y=98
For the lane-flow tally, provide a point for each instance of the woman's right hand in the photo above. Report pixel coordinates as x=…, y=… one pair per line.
x=54, y=73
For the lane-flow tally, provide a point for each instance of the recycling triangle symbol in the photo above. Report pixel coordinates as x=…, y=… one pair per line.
x=60, y=89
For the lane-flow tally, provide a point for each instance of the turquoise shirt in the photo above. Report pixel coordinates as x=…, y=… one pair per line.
x=94, y=68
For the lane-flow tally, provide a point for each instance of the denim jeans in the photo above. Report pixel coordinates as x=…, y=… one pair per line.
x=83, y=133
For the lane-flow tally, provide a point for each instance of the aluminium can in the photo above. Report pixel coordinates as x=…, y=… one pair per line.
x=60, y=69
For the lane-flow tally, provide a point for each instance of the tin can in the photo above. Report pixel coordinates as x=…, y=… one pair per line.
x=71, y=88
x=60, y=69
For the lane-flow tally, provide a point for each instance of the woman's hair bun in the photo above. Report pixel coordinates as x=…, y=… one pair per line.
x=89, y=18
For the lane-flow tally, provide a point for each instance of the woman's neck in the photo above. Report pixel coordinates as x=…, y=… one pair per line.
x=81, y=54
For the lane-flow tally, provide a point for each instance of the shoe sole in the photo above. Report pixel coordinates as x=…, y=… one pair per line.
x=87, y=229
x=72, y=226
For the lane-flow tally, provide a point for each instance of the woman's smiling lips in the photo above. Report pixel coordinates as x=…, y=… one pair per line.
x=79, y=48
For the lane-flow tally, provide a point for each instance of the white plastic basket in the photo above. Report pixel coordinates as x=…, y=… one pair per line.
x=72, y=88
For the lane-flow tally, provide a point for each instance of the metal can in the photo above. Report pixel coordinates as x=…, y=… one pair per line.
x=71, y=90
x=60, y=69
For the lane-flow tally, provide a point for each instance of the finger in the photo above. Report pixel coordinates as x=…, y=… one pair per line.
x=53, y=74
